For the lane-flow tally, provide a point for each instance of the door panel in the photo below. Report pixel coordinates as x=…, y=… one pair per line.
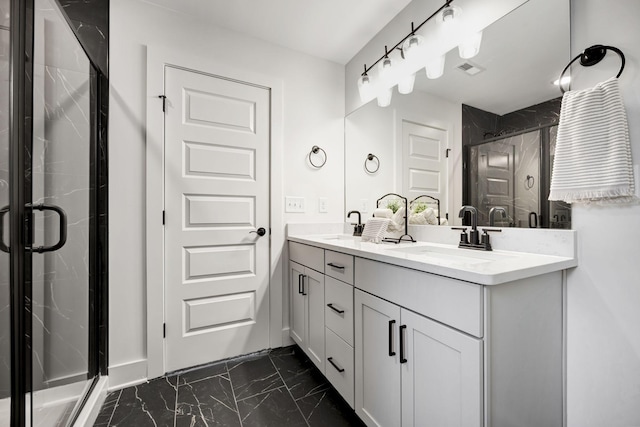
x=377, y=373
x=424, y=162
x=216, y=195
x=442, y=378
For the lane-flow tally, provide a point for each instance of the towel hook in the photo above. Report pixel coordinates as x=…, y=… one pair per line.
x=370, y=158
x=591, y=56
x=315, y=150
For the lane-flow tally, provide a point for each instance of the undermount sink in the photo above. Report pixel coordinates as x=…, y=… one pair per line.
x=467, y=256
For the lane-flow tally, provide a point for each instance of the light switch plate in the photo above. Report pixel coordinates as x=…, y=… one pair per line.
x=322, y=205
x=363, y=205
x=294, y=204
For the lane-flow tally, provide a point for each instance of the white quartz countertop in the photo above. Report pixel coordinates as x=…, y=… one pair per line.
x=482, y=267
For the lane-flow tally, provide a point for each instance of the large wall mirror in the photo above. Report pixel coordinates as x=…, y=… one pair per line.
x=482, y=134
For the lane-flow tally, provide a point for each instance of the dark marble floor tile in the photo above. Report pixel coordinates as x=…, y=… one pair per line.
x=106, y=412
x=203, y=372
x=208, y=402
x=298, y=372
x=253, y=375
x=328, y=409
x=148, y=404
x=275, y=408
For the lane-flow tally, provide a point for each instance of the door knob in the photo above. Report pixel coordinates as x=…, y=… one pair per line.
x=260, y=231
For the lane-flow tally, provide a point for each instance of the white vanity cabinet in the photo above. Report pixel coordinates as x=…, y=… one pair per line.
x=307, y=301
x=412, y=371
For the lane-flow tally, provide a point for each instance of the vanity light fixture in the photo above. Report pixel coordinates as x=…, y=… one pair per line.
x=401, y=69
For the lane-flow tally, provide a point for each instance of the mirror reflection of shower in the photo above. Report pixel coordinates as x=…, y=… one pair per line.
x=508, y=172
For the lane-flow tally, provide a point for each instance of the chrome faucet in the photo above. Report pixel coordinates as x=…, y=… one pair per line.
x=359, y=227
x=503, y=214
x=473, y=234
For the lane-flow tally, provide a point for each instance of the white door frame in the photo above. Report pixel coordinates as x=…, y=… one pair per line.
x=157, y=59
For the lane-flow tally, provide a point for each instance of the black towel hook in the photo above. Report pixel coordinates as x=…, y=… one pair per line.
x=591, y=56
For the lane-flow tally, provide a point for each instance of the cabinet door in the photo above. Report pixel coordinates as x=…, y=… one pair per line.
x=377, y=361
x=298, y=301
x=314, y=290
x=442, y=377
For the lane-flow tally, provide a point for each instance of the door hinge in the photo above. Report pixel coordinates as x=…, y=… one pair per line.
x=164, y=330
x=164, y=102
x=446, y=152
x=163, y=217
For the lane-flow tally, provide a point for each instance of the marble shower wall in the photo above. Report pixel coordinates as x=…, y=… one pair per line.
x=61, y=155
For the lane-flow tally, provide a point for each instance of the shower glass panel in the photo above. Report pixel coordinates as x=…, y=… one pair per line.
x=506, y=173
x=5, y=311
x=60, y=194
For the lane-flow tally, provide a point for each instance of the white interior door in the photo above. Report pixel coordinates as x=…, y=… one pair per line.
x=496, y=174
x=216, y=197
x=424, y=162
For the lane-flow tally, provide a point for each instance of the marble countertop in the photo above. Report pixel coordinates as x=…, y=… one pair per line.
x=482, y=267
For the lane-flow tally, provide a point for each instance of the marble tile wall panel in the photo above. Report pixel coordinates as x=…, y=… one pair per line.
x=90, y=21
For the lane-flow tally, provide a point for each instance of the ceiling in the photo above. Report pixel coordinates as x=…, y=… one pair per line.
x=331, y=29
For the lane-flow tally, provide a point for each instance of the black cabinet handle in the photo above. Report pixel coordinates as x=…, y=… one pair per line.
x=391, y=323
x=340, y=267
x=303, y=276
x=299, y=283
x=330, y=305
x=402, y=358
x=339, y=369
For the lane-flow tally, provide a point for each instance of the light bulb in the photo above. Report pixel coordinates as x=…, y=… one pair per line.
x=449, y=15
x=384, y=97
x=435, y=67
x=386, y=70
x=471, y=46
x=365, y=88
x=405, y=84
x=413, y=46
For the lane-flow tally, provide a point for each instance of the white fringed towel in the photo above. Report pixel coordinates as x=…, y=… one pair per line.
x=375, y=229
x=593, y=154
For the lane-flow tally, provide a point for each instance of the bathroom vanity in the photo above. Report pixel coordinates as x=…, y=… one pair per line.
x=428, y=334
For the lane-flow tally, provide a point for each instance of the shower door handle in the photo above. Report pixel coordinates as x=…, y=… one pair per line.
x=62, y=239
x=3, y=247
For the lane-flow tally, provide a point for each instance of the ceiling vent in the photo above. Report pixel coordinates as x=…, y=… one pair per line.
x=469, y=68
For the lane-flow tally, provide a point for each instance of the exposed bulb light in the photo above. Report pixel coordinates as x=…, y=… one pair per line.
x=386, y=70
x=405, y=85
x=435, y=67
x=365, y=88
x=449, y=15
x=384, y=97
x=471, y=46
x=413, y=47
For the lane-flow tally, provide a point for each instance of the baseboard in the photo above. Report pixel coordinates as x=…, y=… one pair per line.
x=286, y=337
x=92, y=406
x=127, y=374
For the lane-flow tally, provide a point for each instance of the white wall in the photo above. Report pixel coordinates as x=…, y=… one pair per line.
x=313, y=112
x=604, y=291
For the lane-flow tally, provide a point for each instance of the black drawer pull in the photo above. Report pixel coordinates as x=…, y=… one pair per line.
x=391, y=323
x=330, y=305
x=339, y=369
x=402, y=358
x=299, y=283
x=340, y=267
x=303, y=277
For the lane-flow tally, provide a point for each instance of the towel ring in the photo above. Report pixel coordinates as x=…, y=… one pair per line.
x=591, y=56
x=370, y=158
x=529, y=182
x=315, y=150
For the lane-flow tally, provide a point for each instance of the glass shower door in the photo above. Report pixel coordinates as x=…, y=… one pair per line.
x=61, y=198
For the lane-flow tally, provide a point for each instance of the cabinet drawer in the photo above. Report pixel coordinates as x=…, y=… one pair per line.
x=339, y=266
x=340, y=296
x=452, y=302
x=309, y=256
x=339, y=367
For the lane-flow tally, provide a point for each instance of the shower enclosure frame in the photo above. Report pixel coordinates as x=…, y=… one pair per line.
x=20, y=150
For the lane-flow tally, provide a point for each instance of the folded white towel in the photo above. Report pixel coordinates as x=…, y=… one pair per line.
x=418, y=219
x=375, y=229
x=592, y=160
x=430, y=216
x=397, y=221
x=383, y=213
